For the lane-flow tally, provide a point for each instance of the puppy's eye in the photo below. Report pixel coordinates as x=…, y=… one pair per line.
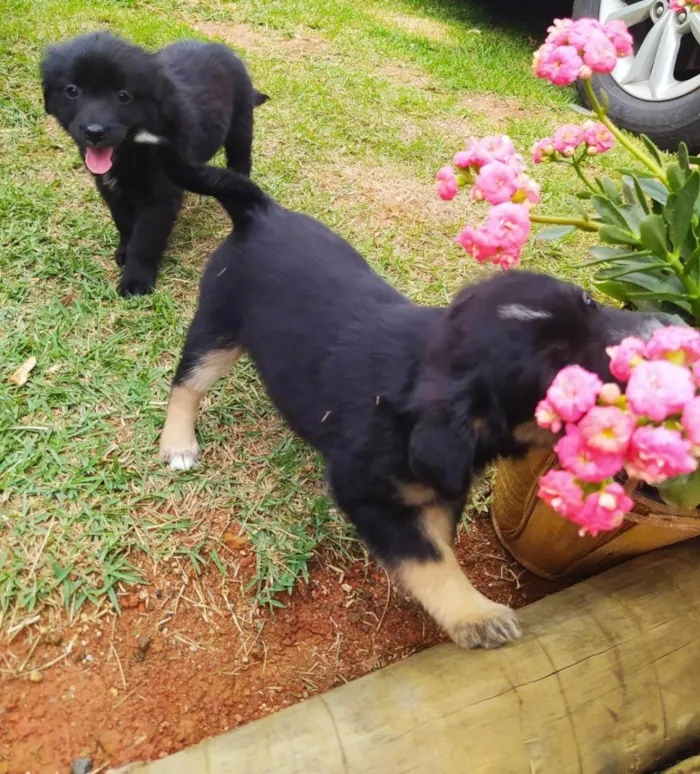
x=72, y=91
x=124, y=97
x=588, y=300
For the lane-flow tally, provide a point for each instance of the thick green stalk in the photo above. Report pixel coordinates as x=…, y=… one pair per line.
x=584, y=225
x=598, y=109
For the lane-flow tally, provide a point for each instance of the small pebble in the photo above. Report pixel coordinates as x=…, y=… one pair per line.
x=346, y=587
x=81, y=766
x=35, y=676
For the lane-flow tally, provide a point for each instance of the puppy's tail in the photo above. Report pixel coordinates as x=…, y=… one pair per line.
x=238, y=195
x=259, y=98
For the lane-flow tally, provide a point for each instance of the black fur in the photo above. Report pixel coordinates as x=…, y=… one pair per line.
x=388, y=391
x=198, y=95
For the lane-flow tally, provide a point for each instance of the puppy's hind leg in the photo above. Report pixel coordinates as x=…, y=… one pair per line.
x=201, y=364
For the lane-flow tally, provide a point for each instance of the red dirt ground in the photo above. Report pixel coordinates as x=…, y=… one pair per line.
x=116, y=702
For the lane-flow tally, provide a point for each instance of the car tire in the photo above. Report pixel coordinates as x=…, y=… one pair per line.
x=667, y=122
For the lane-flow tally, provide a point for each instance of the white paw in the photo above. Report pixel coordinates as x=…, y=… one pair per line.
x=494, y=627
x=180, y=459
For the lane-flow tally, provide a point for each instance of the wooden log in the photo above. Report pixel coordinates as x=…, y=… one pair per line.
x=606, y=680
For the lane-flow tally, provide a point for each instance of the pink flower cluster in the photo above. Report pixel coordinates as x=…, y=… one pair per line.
x=577, y=49
x=570, y=137
x=684, y=5
x=652, y=432
x=497, y=175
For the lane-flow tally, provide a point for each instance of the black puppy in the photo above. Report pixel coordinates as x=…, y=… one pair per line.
x=104, y=91
x=406, y=403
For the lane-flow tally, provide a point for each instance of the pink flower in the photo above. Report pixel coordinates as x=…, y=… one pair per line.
x=675, y=343
x=464, y=159
x=584, y=30
x=657, y=389
x=600, y=55
x=543, y=149
x=598, y=137
x=628, y=354
x=657, y=453
x=477, y=243
x=559, y=490
x=495, y=183
x=585, y=463
x=567, y=138
x=691, y=420
x=573, y=392
x=609, y=394
x=619, y=36
x=607, y=429
x=547, y=417
x=677, y=5
x=558, y=33
x=603, y=510
x=501, y=148
x=529, y=191
x=558, y=64
x=509, y=224
x=447, y=185
x=506, y=257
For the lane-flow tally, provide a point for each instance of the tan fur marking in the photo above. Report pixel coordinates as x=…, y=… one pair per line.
x=446, y=593
x=178, y=444
x=416, y=494
x=211, y=367
x=533, y=435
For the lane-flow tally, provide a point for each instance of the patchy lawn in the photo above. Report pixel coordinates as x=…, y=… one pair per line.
x=367, y=101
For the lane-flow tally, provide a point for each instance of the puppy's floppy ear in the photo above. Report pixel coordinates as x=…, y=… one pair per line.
x=47, y=69
x=442, y=449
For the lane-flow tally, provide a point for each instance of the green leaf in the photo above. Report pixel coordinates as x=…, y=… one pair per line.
x=554, y=232
x=610, y=189
x=676, y=177
x=683, y=158
x=613, y=253
x=636, y=172
x=652, y=229
x=633, y=215
x=634, y=194
x=584, y=195
x=680, y=214
x=617, y=236
x=608, y=211
x=652, y=149
x=624, y=268
x=655, y=189
x=692, y=263
x=675, y=298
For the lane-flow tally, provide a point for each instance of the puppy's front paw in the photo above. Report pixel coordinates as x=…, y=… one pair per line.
x=179, y=456
x=135, y=285
x=120, y=255
x=494, y=626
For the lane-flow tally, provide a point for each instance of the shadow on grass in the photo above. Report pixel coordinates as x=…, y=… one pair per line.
x=529, y=19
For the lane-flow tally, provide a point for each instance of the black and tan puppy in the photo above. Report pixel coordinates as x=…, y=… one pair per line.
x=406, y=403
x=104, y=91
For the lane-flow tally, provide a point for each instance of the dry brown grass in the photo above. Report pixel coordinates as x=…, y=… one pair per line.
x=264, y=40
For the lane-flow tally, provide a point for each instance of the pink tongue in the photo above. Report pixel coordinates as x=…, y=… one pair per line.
x=98, y=160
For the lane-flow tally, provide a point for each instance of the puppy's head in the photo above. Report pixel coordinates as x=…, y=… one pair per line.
x=102, y=90
x=495, y=352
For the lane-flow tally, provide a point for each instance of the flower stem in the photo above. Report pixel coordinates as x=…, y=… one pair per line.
x=582, y=176
x=584, y=225
x=598, y=109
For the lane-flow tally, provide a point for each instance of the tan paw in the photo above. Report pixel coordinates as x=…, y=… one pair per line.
x=496, y=626
x=179, y=456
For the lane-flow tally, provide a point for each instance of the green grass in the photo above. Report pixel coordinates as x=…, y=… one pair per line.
x=364, y=109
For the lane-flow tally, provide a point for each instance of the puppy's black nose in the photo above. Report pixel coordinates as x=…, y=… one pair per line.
x=94, y=133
